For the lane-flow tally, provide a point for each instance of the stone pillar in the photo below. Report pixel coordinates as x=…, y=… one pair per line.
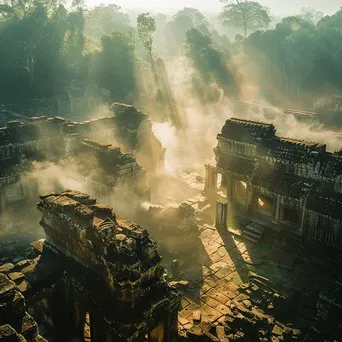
x=171, y=327
x=221, y=214
x=224, y=181
x=249, y=195
x=301, y=220
x=157, y=334
x=175, y=269
x=2, y=199
x=276, y=209
x=210, y=181
x=60, y=318
x=78, y=318
x=68, y=318
x=213, y=181
x=98, y=330
x=230, y=188
x=206, y=178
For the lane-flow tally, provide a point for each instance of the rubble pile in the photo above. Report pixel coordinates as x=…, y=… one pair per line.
x=238, y=313
x=175, y=228
x=15, y=323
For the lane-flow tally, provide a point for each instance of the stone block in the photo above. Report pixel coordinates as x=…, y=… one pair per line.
x=29, y=328
x=8, y=334
x=6, y=268
x=16, y=276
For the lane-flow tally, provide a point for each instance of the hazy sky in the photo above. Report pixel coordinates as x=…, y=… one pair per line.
x=278, y=7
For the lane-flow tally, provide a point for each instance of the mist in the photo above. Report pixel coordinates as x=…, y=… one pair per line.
x=277, y=6
x=187, y=84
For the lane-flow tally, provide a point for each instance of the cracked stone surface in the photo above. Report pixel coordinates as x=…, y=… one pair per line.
x=241, y=285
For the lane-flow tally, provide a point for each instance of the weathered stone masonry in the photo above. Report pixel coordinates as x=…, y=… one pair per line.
x=53, y=139
x=130, y=128
x=16, y=325
x=21, y=143
x=289, y=185
x=112, y=272
x=115, y=178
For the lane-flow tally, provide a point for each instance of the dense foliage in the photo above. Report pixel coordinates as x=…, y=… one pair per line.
x=298, y=56
x=45, y=47
x=245, y=15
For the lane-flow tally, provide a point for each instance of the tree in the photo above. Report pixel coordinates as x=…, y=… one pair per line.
x=16, y=10
x=74, y=38
x=146, y=27
x=196, y=16
x=329, y=63
x=311, y=14
x=175, y=31
x=245, y=15
x=19, y=9
x=300, y=56
x=181, y=22
x=104, y=20
x=115, y=66
x=334, y=21
x=209, y=61
x=285, y=58
x=41, y=45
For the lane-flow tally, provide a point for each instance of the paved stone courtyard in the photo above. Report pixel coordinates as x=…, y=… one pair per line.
x=238, y=285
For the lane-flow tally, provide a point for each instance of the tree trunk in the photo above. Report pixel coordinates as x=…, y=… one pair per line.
x=298, y=89
x=285, y=80
x=150, y=54
x=30, y=65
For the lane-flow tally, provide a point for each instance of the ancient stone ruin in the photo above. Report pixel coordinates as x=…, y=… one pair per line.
x=107, y=172
x=96, y=269
x=175, y=228
x=253, y=255
x=278, y=183
x=129, y=128
x=15, y=323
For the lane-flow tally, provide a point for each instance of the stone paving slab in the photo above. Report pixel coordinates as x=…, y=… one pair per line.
x=218, y=298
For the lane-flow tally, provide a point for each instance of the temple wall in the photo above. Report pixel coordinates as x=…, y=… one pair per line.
x=291, y=185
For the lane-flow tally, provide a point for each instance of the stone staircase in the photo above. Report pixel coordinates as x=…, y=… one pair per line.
x=253, y=232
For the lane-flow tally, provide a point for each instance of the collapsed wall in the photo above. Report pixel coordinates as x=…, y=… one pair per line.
x=115, y=178
x=127, y=288
x=130, y=128
x=105, y=172
x=20, y=144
